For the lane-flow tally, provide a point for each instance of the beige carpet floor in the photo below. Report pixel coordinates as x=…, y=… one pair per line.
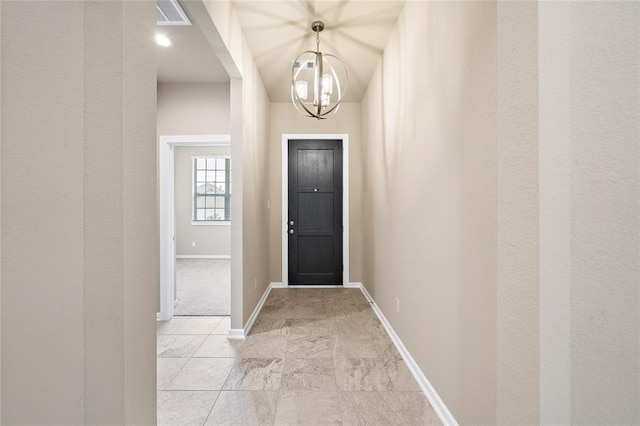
x=203, y=287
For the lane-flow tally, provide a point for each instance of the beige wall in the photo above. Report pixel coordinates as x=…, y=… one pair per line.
x=285, y=119
x=568, y=213
x=590, y=212
x=517, y=213
x=255, y=177
x=210, y=239
x=555, y=213
x=501, y=184
x=429, y=193
x=80, y=271
x=249, y=135
x=193, y=109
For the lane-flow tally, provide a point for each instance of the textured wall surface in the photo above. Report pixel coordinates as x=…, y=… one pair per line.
x=285, y=119
x=517, y=213
x=80, y=265
x=605, y=128
x=42, y=277
x=429, y=197
x=589, y=212
x=555, y=211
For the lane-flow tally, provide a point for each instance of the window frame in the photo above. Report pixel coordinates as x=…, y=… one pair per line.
x=195, y=196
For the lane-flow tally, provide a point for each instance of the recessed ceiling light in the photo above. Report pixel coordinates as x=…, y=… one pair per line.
x=163, y=40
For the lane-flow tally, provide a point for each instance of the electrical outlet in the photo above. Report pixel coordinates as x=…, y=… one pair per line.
x=193, y=244
x=397, y=305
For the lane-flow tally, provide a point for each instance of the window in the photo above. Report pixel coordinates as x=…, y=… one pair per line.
x=212, y=189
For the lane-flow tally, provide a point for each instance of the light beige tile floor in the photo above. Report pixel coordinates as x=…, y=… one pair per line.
x=314, y=356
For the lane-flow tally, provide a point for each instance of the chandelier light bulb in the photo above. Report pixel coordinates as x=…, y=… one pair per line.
x=301, y=90
x=325, y=100
x=327, y=84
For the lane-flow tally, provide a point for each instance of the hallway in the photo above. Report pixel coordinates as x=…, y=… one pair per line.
x=493, y=199
x=314, y=356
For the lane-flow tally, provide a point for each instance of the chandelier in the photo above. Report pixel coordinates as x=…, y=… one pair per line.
x=318, y=80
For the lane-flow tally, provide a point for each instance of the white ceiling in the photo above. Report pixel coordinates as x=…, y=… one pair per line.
x=277, y=31
x=190, y=59
x=355, y=30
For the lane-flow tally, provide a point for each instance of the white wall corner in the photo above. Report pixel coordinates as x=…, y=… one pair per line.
x=241, y=333
x=434, y=399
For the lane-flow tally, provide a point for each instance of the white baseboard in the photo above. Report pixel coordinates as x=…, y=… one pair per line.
x=436, y=402
x=256, y=311
x=308, y=286
x=235, y=333
x=241, y=333
x=349, y=285
x=203, y=256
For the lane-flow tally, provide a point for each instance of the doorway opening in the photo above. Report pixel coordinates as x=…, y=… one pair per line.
x=195, y=202
x=202, y=217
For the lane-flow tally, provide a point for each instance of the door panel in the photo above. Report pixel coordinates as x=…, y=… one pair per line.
x=315, y=167
x=315, y=212
x=315, y=255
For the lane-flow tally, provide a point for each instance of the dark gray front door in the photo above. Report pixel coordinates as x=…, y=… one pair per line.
x=315, y=212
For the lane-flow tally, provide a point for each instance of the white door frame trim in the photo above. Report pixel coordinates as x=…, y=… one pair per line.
x=344, y=138
x=167, y=214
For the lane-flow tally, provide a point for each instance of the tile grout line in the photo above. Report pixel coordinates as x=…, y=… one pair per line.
x=173, y=376
x=279, y=394
x=206, y=419
x=220, y=391
x=284, y=361
x=235, y=362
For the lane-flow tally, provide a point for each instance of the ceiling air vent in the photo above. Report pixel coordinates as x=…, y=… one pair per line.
x=170, y=13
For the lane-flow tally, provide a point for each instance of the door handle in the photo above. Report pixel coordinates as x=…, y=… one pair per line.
x=291, y=223
x=291, y=231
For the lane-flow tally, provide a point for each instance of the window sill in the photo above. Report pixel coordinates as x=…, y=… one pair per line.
x=211, y=223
